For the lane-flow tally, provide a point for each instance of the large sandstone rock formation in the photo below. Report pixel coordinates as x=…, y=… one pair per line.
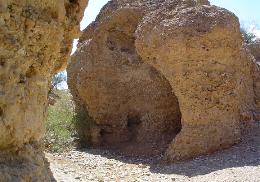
x=128, y=100
x=143, y=65
x=210, y=73
x=35, y=42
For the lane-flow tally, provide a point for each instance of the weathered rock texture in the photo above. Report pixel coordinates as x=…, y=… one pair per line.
x=256, y=79
x=254, y=47
x=128, y=100
x=199, y=50
x=35, y=42
x=144, y=64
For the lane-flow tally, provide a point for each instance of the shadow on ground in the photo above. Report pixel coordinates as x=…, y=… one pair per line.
x=246, y=153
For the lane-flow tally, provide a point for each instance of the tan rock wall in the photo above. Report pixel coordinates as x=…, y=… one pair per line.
x=26, y=164
x=210, y=73
x=254, y=48
x=256, y=77
x=35, y=42
x=129, y=101
x=196, y=47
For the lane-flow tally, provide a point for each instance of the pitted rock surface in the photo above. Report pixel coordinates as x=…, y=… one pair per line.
x=130, y=102
x=200, y=51
x=143, y=61
x=35, y=42
x=254, y=47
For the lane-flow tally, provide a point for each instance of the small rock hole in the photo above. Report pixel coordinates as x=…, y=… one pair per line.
x=2, y=62
x=22, y=79
x=111, y=48
x=73, y=1
x=1, y=112
x=125, y=50
x=111, y=45
x=31, y=72
x=132, y=125
x=104, y=132
x=133, y=122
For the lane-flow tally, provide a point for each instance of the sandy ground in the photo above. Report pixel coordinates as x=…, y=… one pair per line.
x=239, y=163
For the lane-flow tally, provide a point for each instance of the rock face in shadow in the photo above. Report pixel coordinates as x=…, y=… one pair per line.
x=254, y=48
x=25, y=164
x=36, y=38
x=131, y=104
x=256, y=79
x=143, y=65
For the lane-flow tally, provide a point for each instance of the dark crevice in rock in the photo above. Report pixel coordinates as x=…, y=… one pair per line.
x=22, y=79
x=133, y=124
x=2, y=62
x=31, y=72
x=1, y=112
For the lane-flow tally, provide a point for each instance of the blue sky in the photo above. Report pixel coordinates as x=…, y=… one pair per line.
x=246, y=10
x=248, y=13
x=91, y=12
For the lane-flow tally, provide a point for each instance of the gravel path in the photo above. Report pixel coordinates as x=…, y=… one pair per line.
x=239, y=163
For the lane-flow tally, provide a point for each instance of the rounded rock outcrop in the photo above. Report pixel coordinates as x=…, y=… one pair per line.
x=151, y=59
x=210, y=73
x=131, y=104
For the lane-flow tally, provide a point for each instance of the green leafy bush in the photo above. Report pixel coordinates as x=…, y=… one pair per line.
x=247, y=36
x=83, y=122
x=65, y=128
x=60, y=130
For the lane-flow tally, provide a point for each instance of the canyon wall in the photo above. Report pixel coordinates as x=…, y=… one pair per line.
x=35, y=42
x=158, y=58
x=254, y=48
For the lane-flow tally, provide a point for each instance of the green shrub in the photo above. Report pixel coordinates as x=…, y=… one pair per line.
x=83, y=122
x=247, y=36
x=65, y=128
x=60, y=130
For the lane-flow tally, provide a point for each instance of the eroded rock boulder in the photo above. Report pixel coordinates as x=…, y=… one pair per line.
x=199, y=50
x=35, y=42
x=143, y=61
x=131, y=104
